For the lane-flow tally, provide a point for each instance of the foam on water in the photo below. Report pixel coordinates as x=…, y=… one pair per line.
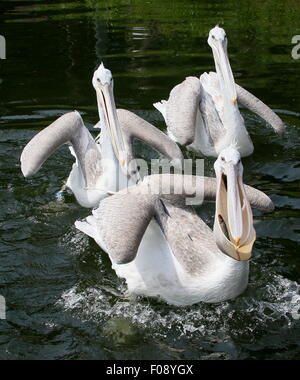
x=274, y=305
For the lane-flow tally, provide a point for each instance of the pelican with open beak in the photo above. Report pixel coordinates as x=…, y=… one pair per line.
x=233, y=228
x=162, y=247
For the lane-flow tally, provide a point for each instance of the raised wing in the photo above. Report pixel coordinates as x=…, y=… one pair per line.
x=68, y=129
x=180, y=111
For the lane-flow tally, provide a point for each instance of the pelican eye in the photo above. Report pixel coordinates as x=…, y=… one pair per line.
x=222, y=158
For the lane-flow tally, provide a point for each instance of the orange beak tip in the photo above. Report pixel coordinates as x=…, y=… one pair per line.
x=237, y=242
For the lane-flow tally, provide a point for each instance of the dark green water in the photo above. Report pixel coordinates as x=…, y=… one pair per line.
x=63, y=299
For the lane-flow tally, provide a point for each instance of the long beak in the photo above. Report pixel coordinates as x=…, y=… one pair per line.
x=234, y=205
x=233, y=229
x=106, y=103
x=224, y=72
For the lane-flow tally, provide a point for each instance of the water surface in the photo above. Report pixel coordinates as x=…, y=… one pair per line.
x=64, y=301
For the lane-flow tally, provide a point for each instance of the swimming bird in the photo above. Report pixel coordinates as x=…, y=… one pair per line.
x=164, y=249
x=105, y=164
x=204, y=114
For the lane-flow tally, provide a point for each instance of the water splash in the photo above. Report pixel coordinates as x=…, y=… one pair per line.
x=262, y=309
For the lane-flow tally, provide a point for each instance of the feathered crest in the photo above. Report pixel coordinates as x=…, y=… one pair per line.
x=103, y=74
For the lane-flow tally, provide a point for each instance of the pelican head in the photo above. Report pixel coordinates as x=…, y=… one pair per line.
x=233, y=229
x=217, y=40
x=103, y=84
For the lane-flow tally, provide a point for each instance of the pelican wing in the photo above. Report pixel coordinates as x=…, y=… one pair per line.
x=70, y=129
x=259, y=200
x=257, y=106
x=136, y=127
x=181, y=187
x=119, y=224
x=180, y=111
x=189, y=238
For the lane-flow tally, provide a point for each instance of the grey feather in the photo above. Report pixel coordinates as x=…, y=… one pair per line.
x=70, y=129
x=121, y=222
x=179, y=187
x=258, y=107
x=182, y=108
x=189, y=238
x=135, y=127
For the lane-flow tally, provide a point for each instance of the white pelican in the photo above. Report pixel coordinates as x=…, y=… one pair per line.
x=204, y=114
x=162, y=248
x=103, y=165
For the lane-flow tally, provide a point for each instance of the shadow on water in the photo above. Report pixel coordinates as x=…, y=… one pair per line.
x=63, y=299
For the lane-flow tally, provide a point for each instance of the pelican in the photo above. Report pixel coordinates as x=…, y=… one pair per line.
x=204, y=114
x=164, y=249
x=103, y=165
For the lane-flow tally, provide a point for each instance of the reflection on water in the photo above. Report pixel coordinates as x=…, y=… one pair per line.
x=63, y=299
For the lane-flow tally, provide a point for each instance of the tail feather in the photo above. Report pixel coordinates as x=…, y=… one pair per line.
x=87, y=227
